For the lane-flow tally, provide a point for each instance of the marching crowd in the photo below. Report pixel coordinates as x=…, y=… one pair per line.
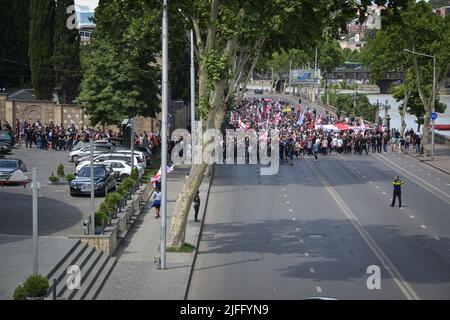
x=306, y=132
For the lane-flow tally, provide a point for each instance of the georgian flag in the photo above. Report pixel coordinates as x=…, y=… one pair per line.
x=157, y=176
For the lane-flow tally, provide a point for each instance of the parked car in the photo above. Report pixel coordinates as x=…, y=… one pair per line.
x=6, y=136
x=142, y=158
x=123, y=168
x=108, y=156
x=9, y=166
x=86, y=151
x=5, y=148
x=145, y=151
x=104, y=177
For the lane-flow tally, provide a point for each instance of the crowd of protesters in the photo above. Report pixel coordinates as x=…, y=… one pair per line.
x=48, y=136
x=306, y=132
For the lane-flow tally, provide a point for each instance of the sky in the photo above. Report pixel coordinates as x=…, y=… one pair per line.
x=91, y=3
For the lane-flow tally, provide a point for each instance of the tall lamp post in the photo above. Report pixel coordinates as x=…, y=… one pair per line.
x=165, y=108
x=387, y=118
x=433, y=103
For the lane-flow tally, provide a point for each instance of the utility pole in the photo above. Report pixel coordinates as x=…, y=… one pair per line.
x=35, y=223
x=92, y=188
x=165, y=109
x=192, y=99
x=433, y=107
x=290, y=74
x=132, y=143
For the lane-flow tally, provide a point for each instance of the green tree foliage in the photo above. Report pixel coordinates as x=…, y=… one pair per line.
x=42, y=14
x=345, y=103
x=121, y=76
x=66, y=54
x=14, y=28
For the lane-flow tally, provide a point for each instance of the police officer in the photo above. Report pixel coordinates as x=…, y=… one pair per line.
x=197, y=205
x=398, y=185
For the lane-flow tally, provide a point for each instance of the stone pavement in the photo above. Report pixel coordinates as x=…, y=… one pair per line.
x=441, y=158
x=16, y=258
x=136, y=276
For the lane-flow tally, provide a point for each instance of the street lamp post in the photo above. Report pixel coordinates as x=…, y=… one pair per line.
x=192, y=99
x=433, y=103
x=165, y=108
x=387, y=118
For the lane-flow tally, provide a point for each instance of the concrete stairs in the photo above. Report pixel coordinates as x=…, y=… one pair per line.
x=95, y=268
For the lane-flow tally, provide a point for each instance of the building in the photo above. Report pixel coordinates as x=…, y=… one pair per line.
x=84, y=22
x=442, y=11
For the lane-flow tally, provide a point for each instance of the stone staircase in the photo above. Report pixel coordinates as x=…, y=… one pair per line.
x=95, y=268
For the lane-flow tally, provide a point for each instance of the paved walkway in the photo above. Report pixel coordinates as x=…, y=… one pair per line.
x=441, y=158
x=136, y=277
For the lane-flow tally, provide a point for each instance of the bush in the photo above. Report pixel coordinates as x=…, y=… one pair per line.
x=134, y=174
x=113, y=199
x=70, y=177
x=60, y=171
x=101, y=217
x=128, y=183
x=53, y=179
x=20, y=293
x=36, y=286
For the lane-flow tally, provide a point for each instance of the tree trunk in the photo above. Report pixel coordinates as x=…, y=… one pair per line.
x=403, y=113
x=183, y=205
x=426, y=131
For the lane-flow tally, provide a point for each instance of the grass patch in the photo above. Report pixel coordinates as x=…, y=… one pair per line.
x=186, y=248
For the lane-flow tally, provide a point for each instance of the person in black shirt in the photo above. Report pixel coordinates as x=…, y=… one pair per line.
x=197, y=205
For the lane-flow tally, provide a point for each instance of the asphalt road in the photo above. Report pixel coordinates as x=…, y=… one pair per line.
x=59, y=213
x=316, y=227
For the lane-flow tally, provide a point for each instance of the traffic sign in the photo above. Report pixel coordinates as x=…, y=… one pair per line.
x=433, y=116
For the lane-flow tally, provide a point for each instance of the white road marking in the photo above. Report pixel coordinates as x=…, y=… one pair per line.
x=412, y=217
x=370, y=181
x=306, y=254
x=293, y=219
x=377, y=187
x=364, y=177
x=283, y=189
x=290, y=210
x=312, y=270
x=401, y=207
x=288, y=202
x=384, y=193
x=297, y=229
x=302, y=241
x=423, y=227
x=319, y=289
x=420, y=179
x=437, y=238
x=398, y=278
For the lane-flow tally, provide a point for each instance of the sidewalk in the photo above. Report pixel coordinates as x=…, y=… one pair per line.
x=441, y=160
x=136, y=276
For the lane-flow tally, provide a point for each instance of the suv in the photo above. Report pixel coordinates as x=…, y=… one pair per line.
x=9, y=166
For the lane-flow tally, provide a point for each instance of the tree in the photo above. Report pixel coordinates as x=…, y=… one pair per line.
x=121, y=76
x=330, y=57
x=66, y=54
x=42, y=14
x=14, y=28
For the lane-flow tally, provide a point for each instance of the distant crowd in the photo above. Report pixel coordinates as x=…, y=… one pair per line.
x=48, y=136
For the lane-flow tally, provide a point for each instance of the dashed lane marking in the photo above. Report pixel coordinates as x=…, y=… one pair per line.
x=306, y=254
x=312, y=270
x=423, y=226
x=412, y=217
x=319, y=289
x=396, y=276
x=437, y=238
x=423, y=184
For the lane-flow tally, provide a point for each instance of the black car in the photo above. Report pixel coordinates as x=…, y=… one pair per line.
x=105, y=180
x=6, y=136
x=9, y=166
x=5, y=148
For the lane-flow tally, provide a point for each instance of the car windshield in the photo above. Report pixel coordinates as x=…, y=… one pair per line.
x=8, y=164
x=85, y=172
x=5, y=136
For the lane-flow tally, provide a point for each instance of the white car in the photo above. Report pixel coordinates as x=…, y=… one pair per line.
x=86, y=151
x=111, y=157
x=123, y=168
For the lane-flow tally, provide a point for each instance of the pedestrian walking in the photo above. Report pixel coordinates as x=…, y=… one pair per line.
x=398, y=185
x=197, y=205
x=157, y=201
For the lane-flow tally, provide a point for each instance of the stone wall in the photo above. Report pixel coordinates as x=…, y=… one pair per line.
x=49, y=111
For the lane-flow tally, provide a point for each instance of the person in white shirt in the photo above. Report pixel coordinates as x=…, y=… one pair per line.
x=157, y=201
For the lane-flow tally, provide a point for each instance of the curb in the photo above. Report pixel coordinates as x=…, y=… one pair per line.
x=194, y=256
x=427, y=162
